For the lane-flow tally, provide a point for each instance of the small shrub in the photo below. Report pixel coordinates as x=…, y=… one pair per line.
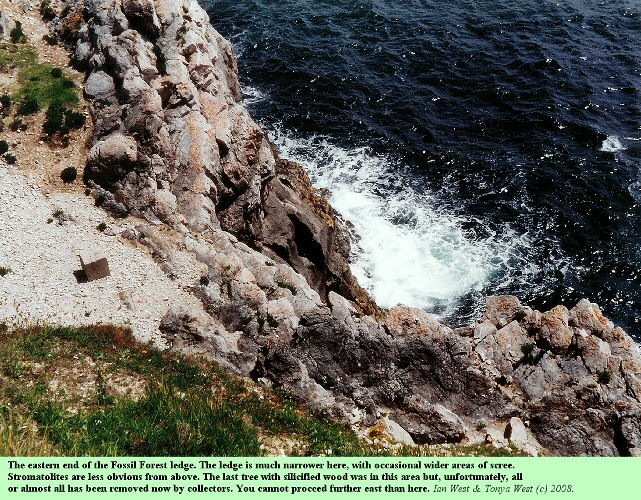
x=50, y=39
x=47, y=11
x=54, y=122
x=4, y=147
x=5, y=102
x=101, y=199
x=261, y=321
x=161, y=61
x=56, y=213
x=271, y=321
x=71, y=26
x=74, y=120
x=17, y=125
x=101, y=227
x=17, y=34
x=604, y=377
x=69, y=174
x=28, y=106
x=10, y=159
x=4, y=271
x=56, y=73
x=204, y=281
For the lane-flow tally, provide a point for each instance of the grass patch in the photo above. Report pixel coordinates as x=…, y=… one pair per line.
x=19, y=436
x=39, y=83
x=16, y=56
x=4, y=271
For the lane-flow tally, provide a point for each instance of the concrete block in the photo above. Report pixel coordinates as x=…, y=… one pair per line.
x=95, y=265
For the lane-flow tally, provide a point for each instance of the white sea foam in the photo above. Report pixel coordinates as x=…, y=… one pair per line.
x=252, y=95
x=406, y=248
x=612, y=144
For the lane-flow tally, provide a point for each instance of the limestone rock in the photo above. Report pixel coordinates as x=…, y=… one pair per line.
x=629, y=430
x=503, y=309
x=100, y=87
x=403, y=321
x=396, y=432
x=143, y=13
x=433, y=423
x=554, y=330
x=588, y=316
x=6, y=25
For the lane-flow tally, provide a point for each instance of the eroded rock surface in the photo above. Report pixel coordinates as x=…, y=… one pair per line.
x=174, y=144
x=245, y=232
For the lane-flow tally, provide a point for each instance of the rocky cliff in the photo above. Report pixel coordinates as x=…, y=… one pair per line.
x=173, y=144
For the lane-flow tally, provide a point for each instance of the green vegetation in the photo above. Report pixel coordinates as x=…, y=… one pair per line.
x=604, y=377
x=69, y=175
x=18, y=125
x=4, y=147
x=38, y=83
x=47, y=11
x=50, y=40
x=529, y=357
x=16, y=56
x=10, y=159
x=28, y=106
x=5, y=103
x=17, y=34
x=204, y=281
x=184, y=406
x=101, y=227
x=4, y=271
x=289, y=286
x=40, y=86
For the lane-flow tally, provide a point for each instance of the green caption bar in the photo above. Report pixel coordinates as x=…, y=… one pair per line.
x=307, y=478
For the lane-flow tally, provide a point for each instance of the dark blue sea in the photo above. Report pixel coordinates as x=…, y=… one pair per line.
x=472, y=147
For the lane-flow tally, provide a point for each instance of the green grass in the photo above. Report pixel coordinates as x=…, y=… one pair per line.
x=189, y=407
x=14, y=56
x=41, y=86
x=39, y=83
x=165, y=422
